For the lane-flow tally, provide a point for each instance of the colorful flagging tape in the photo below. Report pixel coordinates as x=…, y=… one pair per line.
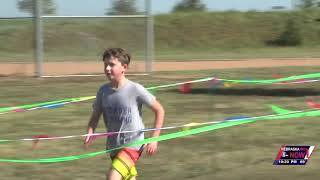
x=50, y=104
x=281, y=114
x=313, y=104
x=295, y=79
x=53, y=104
x=93, y=136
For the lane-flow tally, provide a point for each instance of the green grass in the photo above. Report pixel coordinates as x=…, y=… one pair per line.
x=242, y=152
x=191, y=54
x=178, y=36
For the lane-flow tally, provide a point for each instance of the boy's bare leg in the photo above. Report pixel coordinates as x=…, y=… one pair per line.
x=113, y=175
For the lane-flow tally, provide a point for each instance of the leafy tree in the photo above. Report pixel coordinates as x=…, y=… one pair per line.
x=303, y=4
x=189, y=5
x=122, y=7
x=291, y=36
x=27, y=6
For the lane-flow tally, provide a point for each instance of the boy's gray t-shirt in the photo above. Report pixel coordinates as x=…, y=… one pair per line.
x=121, y=109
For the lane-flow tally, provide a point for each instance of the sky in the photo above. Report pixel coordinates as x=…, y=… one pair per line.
x=98, y=7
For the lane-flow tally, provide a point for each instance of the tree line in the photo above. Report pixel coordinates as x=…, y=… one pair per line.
x=126, y=7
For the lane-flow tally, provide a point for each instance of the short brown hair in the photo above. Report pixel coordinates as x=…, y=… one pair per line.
x=120, y=53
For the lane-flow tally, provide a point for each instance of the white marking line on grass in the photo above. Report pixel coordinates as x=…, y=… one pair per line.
x=88, y=75
x=163, y=128
x=284, y=82
x=300, y=82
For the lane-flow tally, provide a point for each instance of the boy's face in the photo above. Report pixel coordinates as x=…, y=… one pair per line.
x=113, y=68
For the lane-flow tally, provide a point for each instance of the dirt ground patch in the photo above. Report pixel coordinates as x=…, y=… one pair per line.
x=69, y=68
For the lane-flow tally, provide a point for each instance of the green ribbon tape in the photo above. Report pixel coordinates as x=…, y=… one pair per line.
x=270, y=81
x=28, y=106
x=145, y=141
x=291, y=114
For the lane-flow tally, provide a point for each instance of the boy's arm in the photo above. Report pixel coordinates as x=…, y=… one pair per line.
x=92, y=125
x=159, y=117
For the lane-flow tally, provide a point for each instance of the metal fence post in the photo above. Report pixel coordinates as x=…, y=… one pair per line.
x=149, y=37
x=38, y=38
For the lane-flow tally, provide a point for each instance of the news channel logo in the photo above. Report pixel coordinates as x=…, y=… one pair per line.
x=293, y=155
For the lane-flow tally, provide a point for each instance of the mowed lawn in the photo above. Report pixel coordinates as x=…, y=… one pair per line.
x=239, y=152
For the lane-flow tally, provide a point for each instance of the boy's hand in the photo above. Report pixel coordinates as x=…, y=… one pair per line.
x=86, y=142
x=152, y=148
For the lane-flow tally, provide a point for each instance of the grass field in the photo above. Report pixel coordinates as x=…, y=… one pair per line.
x=240, y=152
x=211, y=35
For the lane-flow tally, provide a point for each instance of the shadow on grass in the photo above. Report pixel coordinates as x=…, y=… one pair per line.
x=255, y=92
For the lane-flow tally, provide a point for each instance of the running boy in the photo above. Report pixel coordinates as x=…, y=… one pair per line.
x=120, y=102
